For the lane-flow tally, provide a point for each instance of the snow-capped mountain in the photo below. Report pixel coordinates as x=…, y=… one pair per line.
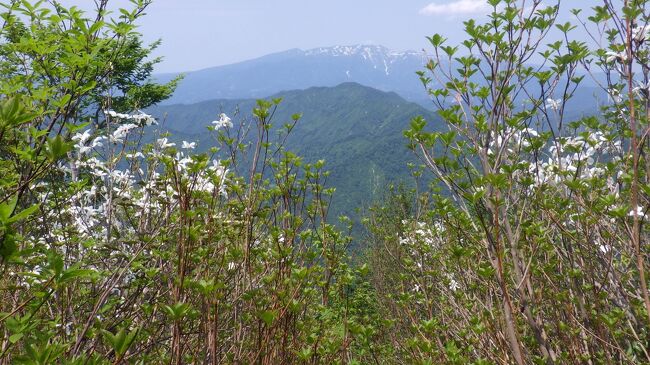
x=370, y=65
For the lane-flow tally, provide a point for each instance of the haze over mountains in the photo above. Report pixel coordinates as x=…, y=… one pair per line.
x=373, y=66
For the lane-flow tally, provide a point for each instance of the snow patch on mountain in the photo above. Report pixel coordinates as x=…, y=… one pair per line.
x=377, y=56
x=368, y=52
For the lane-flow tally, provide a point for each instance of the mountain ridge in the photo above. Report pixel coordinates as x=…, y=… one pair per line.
x=370, y=65
x=335, y=50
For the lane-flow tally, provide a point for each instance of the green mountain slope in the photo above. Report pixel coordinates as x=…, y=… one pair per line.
x=357, y=130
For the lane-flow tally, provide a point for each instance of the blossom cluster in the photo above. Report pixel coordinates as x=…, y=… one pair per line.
x=420, y=242
x=574, y=158
x=510, y=140
x=421, y=233
x=139, y=117
x=125, y=185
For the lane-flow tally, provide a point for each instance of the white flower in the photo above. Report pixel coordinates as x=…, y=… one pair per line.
x=223, y=122
x=82, y=137
x=453, y=284
x=117, y=115
x=134, y=155
x=641, y=33
x=639, y=212
x=604, y=248
x=144, y=119
x=141, y=118
x=183, y=162
x=218, y=168
x=614, y=95
x=163, y=143
x=553, y=103
x=121, y=132
x=641, y=89
x=619, y=57
x=97, y=142
x=84, y=149
x=188, y=145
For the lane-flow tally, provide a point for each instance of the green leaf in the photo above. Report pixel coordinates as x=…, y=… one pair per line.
x=73, y=273
x=23, y=214
x=8, y=246
x=177, y=311
x=268, y=317
x=15, y=337
x=436, y=40
x=121, y=341
x=57, y=148
x=305, y=353
x=7, y=208
x=13, y=112
x=55, y=262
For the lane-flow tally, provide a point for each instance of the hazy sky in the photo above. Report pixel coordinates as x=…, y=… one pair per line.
x=203, y=33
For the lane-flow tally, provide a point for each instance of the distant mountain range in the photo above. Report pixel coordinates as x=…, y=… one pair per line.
x=357, y=130
x=373, y=66
x=369, y=65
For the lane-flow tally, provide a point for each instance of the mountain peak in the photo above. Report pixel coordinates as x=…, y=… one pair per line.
x=351, y=85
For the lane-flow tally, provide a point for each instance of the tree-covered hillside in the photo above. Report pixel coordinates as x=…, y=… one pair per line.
x=357, y=130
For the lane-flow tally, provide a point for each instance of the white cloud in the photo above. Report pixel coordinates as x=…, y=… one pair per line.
x=457, y=7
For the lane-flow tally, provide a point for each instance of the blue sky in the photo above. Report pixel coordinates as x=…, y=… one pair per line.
x=203, y=33
x=216, y=32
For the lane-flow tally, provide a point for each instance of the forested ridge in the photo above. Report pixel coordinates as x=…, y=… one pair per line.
x=357, y=130
x=517, y=234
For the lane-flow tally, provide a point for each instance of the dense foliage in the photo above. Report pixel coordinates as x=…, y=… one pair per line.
x=115, y=251
x=535, y=250
x=528, y=246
